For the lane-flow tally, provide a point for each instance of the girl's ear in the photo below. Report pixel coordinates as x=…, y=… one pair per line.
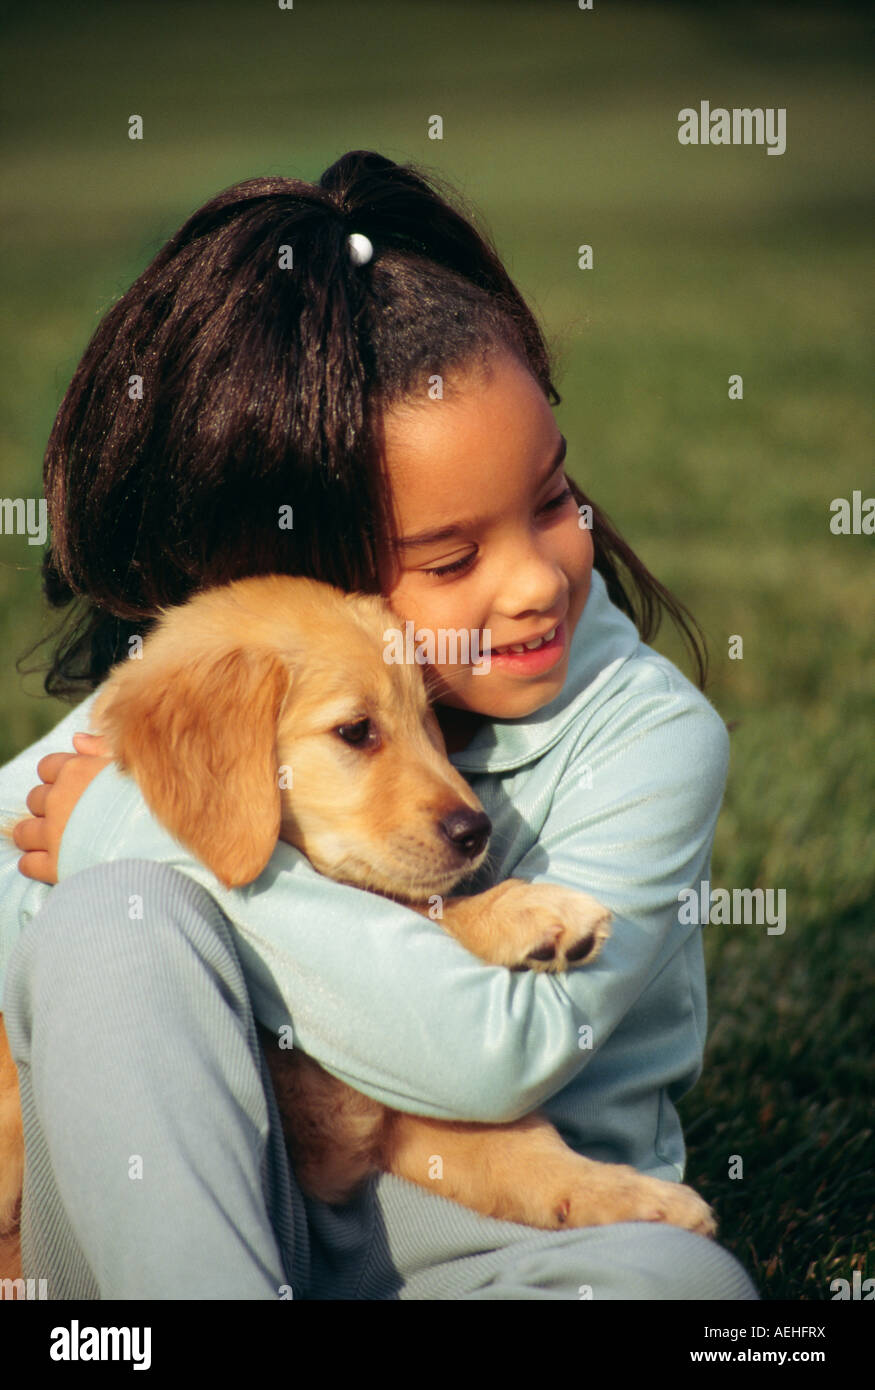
x=199, y=737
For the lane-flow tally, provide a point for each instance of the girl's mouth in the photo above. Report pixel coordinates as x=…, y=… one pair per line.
x=531, y=661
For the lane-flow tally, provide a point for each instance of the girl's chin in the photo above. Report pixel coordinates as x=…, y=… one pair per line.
x=494, y=697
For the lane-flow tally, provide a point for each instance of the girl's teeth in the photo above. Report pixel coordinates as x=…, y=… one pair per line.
x=528, y=646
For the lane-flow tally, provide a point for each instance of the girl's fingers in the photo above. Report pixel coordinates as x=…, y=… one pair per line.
x=39, y=836
x=37, y=865
x=30, y=834
x=48, y=767
x=36, y=799
x=87, y=745
x=95, y=744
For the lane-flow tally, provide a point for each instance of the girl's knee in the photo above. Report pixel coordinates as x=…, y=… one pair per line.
x=628, y=1261
x=112, y=922
x=653, y=1261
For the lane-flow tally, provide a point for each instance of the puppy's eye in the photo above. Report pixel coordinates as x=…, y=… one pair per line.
x=361, y=734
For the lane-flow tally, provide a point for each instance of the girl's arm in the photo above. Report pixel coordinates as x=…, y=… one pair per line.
x=387, y=1001
x=20, y=897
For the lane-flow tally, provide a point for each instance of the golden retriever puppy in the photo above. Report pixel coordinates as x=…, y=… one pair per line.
x=264, y=709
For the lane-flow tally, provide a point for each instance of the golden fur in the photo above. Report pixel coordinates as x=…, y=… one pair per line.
x=229, y=722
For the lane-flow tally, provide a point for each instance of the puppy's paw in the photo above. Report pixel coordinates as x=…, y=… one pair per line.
x=673, y=1203
x=573, y=1192
x=629, y=1196
x=551, y=928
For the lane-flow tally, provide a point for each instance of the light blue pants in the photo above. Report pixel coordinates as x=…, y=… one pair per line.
x=156, y=1167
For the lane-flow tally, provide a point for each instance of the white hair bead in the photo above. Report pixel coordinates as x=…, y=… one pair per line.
x=361, y=248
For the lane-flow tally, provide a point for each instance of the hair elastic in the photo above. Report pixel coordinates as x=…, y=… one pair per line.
x=361, y=248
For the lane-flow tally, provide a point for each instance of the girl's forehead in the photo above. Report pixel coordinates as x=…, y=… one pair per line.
x=502, y=419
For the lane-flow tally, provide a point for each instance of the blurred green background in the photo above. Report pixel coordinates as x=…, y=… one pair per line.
x=561, y=126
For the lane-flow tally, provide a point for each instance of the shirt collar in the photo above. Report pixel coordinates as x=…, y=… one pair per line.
x=603, y=639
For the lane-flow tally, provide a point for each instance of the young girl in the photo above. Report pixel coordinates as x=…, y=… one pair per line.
x=353, y=351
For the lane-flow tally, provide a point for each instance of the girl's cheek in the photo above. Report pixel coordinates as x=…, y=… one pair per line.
x=413, y=603
x=421, y=599
x=580, y=552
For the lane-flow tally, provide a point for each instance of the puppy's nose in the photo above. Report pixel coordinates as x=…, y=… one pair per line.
x=467, y=830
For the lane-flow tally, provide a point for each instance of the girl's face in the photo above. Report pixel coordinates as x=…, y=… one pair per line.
x=490, y=540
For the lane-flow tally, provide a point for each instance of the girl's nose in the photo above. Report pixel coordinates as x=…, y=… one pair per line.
x=532, y=584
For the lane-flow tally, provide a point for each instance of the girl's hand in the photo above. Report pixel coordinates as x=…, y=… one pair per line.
x=64, y=778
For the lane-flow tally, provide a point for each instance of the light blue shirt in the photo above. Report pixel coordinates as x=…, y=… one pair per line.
x=613, y=788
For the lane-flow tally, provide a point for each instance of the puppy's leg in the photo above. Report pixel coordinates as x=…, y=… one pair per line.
x=524, y=1172
x=11, y=1161
x=333, y=1134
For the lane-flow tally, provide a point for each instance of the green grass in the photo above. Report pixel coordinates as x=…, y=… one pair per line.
x=561, y=126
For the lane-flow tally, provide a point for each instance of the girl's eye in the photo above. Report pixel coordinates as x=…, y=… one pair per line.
x=557, y=501
x=456, y=565
x=553, y=505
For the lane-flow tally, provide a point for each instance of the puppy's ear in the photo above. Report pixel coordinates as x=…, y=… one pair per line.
x=199, y=736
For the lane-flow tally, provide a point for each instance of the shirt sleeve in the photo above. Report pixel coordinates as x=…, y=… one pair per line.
x=632, y=824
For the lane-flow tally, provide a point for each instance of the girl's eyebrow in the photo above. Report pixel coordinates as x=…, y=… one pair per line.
x=456, y=529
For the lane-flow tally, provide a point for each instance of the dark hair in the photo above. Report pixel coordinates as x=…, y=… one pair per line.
x=261, y=389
